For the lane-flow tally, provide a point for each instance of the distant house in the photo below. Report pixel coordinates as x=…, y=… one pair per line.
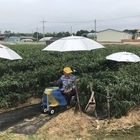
x=84, y=34
x=19, y=39
x=27, y=38
x=92, y=35
x=12, y=39
x=89, y=35
x=137, y=35
x=111, y=35
x=2, y=38
x=52, y=39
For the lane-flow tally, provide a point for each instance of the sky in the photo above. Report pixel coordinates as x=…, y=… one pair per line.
x=48, y=16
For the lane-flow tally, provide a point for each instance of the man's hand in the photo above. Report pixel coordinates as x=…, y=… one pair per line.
x=67, y=91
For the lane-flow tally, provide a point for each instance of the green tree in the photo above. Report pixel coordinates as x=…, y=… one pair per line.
x=37, y=34
x=82, y=32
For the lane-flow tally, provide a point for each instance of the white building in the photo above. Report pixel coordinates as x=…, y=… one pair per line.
x=137, y=35
x=12, y=39
x=111, y=35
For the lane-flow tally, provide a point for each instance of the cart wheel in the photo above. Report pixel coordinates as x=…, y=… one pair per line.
x=44, y=109
x=51, y=111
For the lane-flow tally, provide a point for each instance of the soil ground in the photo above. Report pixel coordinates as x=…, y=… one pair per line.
x=68, y=125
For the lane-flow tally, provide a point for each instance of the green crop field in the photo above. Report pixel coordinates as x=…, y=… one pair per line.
x=22, y=79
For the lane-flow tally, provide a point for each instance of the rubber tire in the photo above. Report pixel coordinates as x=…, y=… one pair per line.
x=51, y=111
x=44, y=109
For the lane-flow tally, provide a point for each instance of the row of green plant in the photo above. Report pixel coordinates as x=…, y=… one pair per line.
x=21, y=79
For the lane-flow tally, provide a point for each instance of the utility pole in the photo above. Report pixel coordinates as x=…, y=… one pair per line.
x=95, y=30
x=43, y=27
x=71, y=30
x=37, y=35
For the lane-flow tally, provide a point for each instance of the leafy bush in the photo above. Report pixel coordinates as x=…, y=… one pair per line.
x=28, y=77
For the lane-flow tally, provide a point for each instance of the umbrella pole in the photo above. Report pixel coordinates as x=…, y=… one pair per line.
x=60, y=63
x=77, y=96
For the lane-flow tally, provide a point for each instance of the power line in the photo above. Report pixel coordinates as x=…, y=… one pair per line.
x=43, y=21
x=119, y=18
x=94, y=20
x=69, y=22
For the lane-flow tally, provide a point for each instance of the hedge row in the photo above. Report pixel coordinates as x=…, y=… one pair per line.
x=28, y=77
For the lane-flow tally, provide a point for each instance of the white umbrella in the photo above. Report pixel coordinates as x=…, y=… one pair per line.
x=7, y=53
x=123, y=57
x=73, y=43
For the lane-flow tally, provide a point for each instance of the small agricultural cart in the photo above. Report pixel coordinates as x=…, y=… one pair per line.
x=52, y=97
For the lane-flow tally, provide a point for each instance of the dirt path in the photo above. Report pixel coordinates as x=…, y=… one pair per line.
x=65, y=124
x=26, y=120
x=10, y=118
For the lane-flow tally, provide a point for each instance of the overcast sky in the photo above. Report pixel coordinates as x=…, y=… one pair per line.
x=27, y=16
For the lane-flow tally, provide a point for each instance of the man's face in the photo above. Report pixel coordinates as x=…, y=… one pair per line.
x=67, y=74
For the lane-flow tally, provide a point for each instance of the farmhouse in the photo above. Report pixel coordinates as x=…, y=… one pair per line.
x=19, y=39
x=137, y=35
x=2, y=38
x=52, y=39
x=111, y=35
x=12, y=39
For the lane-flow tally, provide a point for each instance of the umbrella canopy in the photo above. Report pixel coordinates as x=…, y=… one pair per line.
x=73, y=43
x=7, y=53
x=123, y=57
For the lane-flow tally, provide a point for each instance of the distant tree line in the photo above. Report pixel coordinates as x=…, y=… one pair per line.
x=54, y=34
